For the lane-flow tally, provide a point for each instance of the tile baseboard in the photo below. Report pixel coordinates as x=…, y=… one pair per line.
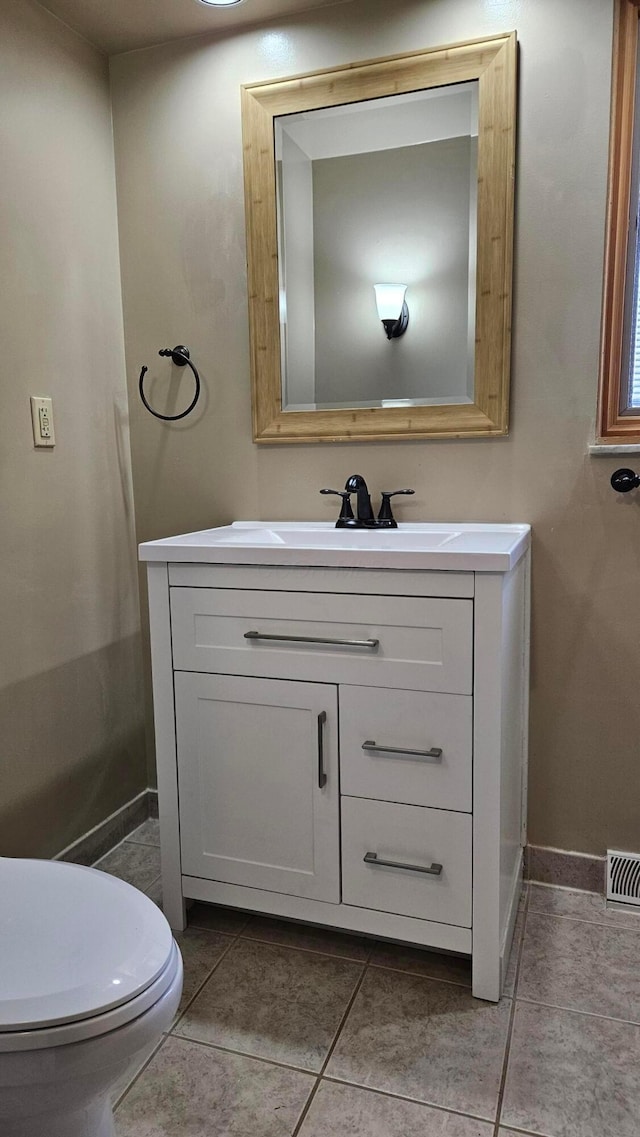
x=103, y=837
x=565, y=869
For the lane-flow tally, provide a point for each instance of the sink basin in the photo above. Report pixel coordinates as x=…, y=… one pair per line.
x=465, y=547
x=308, y=537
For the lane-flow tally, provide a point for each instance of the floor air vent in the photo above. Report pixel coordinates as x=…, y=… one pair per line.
x=623, y=877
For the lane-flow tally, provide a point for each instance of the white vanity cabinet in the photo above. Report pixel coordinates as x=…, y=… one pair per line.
x=344, y=745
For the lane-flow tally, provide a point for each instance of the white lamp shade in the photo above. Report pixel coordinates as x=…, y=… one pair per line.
x=390, y=298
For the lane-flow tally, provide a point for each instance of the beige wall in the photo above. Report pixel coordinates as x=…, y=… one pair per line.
x=179, y=162
x=72, y=745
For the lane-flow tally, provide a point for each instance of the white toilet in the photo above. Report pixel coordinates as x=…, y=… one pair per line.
x=90, y=978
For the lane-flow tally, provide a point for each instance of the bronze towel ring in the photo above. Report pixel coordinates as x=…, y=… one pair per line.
x=180, y=356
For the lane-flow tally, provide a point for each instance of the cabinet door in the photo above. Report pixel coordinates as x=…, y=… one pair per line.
x=258, y=783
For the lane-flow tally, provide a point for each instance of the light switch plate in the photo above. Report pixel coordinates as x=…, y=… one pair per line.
x=42, y=421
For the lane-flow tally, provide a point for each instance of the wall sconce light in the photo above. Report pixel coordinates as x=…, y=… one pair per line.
x=392, y=308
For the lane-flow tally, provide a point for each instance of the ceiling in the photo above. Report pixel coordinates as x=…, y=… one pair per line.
x=124, y=25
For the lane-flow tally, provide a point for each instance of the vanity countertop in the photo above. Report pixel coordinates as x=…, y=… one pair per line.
x=434, y=546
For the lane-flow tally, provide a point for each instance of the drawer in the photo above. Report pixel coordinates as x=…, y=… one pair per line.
x=416, y=643
x=408, y=835
x=379, y=730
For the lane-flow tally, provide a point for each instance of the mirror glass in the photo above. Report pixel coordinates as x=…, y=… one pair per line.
x=381, y=190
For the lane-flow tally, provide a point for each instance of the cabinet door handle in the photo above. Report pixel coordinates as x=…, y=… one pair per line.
x=322, y=775
x=312, y=640
x=374, y=859
x=435, y=752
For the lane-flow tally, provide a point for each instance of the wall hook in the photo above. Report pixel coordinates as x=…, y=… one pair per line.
x=180, y=356
x=625, y=480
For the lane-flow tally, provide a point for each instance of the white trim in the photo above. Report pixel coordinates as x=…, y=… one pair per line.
x=165, y=730
x=608, y=449
x=526, y=691
x=487, y=740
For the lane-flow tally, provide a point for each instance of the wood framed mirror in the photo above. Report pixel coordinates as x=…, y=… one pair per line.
x=322, y=368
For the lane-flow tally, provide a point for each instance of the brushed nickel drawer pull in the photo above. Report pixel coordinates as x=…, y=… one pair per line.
x=435, y=752
x=312, y=640
x=322, y=774
x=374, y=859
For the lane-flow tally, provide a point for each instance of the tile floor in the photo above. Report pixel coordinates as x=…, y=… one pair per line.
x=285, y=1030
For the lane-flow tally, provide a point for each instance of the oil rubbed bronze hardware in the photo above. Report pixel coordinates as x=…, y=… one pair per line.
x=346, y=512
x=365, y=518
x=180, y=356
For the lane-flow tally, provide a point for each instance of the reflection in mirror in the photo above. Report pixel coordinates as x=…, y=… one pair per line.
x=383, y=190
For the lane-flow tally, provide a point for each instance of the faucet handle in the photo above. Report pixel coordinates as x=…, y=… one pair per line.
x=346, y=512
x=385, y=517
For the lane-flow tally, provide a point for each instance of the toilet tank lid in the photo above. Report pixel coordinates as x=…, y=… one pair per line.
x=74, y=943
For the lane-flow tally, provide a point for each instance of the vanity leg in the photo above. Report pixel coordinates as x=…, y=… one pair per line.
x=173, y=902
x=175, y=910
x=485, y=977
